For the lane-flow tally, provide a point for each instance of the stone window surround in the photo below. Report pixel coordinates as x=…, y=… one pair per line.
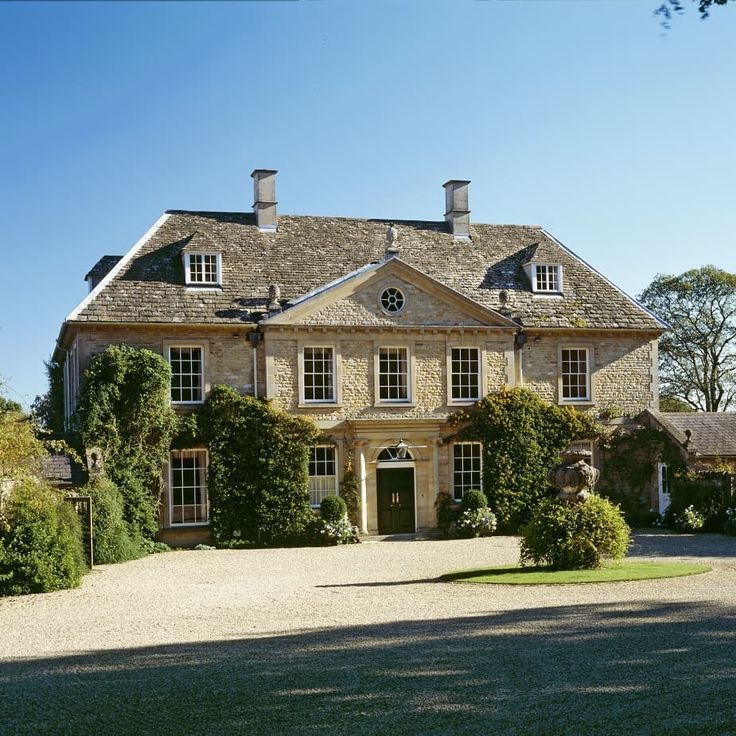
x=560, y=282
x=411, y=368
x=588, y=445
x=187, y=254
x=170, y=487
x=204, y=345
x=336, y=457
x=336, y=367
x=482, y=378
x=452, y=467
x=589, y=399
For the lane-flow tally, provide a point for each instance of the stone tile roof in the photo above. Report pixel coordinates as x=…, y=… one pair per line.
x=307, y=252
x=102, y=268
x=713, y=433
x=62, y=472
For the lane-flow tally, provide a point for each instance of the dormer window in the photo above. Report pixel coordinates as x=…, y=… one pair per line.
x=547, y=278
x=202, y=269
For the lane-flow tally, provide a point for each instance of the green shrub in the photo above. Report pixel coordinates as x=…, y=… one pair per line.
x=350, y=493
x=473, y=500
x=574, y=536
x=338, y=531
x=447, y=513
x=707, y=493
x=332, y=508
x=258, y=470
x=479, y=522
x=729, y=525
x=112, y=541
x=40, y=541
x=522, y=437
x=124, y=408
x=685, y=521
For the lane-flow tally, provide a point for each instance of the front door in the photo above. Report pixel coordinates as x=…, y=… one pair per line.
x=395, y=500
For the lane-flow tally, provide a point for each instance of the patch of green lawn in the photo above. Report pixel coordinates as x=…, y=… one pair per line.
x=611, y=572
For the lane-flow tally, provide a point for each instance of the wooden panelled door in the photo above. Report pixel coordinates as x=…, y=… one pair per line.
x=395, y=500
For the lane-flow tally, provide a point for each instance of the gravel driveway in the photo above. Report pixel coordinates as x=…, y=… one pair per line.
x=365, y=633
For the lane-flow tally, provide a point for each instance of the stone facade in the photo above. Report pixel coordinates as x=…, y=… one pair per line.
x=302, y=282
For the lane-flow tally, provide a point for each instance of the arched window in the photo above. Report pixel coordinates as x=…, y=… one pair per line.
x=391, y=453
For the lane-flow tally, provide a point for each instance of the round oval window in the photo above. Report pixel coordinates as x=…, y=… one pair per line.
x=392, y=300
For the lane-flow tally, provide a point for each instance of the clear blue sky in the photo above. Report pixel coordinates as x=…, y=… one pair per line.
x=580, y=116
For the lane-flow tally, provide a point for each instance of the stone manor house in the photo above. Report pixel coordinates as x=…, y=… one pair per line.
x=376, y=329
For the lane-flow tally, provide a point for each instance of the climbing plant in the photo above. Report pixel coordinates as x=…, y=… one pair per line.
x=124, y=409
x=522, y=437
x=630, y=457
x=258, y=474
x=350, y=492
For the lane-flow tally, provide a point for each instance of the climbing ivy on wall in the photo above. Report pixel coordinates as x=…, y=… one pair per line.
x=630, y=457
x=522, y=437
x=124, y=409
x=258, y=474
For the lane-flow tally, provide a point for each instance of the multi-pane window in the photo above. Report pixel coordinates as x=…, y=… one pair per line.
x=465, y=374
x=392, y=300
x=579, y=445
x=393, y=374
x=547, y=278
x=187, y=374
x=319, y=374
x=664, y=478
x=467, y=468
x=189, y=487
x=322, y=473
x=202, y=268
x=574, y=370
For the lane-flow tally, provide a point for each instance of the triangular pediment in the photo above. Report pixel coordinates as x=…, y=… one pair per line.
x=390, y=293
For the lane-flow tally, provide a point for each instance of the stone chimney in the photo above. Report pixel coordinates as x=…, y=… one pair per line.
x=457, y=213
x=264, y=199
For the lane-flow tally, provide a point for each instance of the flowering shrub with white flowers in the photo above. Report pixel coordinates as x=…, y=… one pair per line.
x=688, y=520
x=729, y=526
x=477, y=522
x=339, y=531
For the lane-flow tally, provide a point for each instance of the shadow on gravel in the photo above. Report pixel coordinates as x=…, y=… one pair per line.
x=594, y=669
x=649, y=543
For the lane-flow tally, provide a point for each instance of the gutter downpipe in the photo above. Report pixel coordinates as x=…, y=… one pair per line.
x=255, y=337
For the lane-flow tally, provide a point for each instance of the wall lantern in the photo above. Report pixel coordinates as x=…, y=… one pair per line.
x=401, y=450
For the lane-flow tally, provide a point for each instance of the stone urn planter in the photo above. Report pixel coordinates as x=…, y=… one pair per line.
x=574, y=477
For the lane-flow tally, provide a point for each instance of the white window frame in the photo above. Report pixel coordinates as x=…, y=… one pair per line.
x=303, y=400
x=588, y=445
x=409, y=375
x=331, y=489
x=535, y=275
x=463, y=488
x=71, y=383
x=172, y=454
x=399, y=291
x=664, y=487
x=204, y=387
x=576, y=400
x=450, y=374
x=188, y=268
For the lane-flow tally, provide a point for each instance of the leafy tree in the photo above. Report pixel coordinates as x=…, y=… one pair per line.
x=40, y=541
x=124, y=409
x=258, y=475
x=49, y=407
x=672, y=403
x=668, y=9
x=697, y=356
x=522, y=437
x=20, y=450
